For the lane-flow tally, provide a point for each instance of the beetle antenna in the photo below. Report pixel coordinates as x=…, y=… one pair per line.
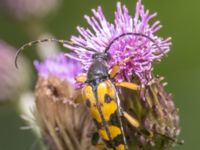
x=134, y=34
x=47, y=40
x=181, y=142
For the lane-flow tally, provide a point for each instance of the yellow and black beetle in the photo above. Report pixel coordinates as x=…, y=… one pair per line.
x=102, y=99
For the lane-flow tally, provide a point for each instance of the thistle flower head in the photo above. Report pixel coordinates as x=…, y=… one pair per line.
x=64, y=122
x=59, y=66
x=141, y=49
x=157, y=114
x=11, y=84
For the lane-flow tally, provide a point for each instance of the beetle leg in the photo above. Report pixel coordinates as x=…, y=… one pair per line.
x=136, y=124
x=81, y=78
x=129, y=85
x=114, y=70
x=133, y=121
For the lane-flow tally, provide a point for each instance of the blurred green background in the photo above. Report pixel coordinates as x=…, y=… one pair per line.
x=181, y=68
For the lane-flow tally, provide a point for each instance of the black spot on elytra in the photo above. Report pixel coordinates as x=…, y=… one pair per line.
x=114, y=120
x=109, y=144
x=88, y=103
x=107, y=98
x=114, y=142
x=118, y=140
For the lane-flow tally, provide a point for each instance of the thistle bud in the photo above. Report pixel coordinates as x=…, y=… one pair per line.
x=157, y=115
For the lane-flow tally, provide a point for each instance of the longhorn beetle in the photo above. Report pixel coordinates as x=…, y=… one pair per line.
x=100, y=94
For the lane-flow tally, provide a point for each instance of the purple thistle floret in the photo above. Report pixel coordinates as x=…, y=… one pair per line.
x=59, y=66
x=142, y=50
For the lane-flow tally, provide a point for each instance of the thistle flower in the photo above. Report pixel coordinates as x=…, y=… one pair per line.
x=13, y=81
x=64, y=122
x=59, y=66
x=143, y=51
x=155, y=108
x=22, y=9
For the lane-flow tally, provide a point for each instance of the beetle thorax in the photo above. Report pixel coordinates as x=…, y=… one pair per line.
x=99, y=69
